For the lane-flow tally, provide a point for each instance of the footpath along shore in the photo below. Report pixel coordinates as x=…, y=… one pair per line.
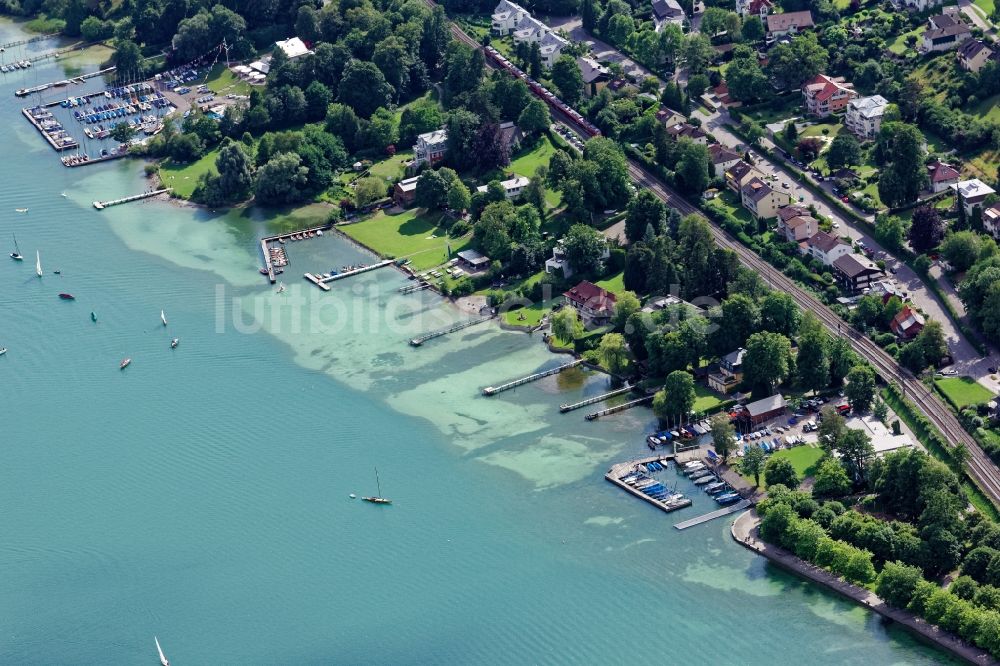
x=745, y=532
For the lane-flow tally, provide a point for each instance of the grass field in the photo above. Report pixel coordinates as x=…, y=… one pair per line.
x=222, y=81
x=705, y=399
x=898, y=43
x=728, y=202
x=986, y=5
x=184, y=177
x=803, y=458
x=392, y=168
x=532, y=314
x=964, y=391
x=988, y=109
x=525, y=164
x=407, y=234
x=615, y=284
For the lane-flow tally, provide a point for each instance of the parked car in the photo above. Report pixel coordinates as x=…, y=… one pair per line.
x=845, y=199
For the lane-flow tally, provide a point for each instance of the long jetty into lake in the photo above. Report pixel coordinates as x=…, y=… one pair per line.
x=24, y=92
x=593, y=399
x=622, y=470
x=101, y=205
x=493, y=390
x=411, y=288
x=619, y=408
x=712, y=515
x=322, y=281
x=30, y=40
x=421, y=339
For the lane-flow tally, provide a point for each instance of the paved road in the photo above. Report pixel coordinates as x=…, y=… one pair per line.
x=969, y=10
x=602, y=50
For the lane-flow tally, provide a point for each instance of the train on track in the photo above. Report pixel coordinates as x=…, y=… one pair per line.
x=542, y=92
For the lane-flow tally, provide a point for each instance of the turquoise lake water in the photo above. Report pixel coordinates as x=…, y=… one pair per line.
x=202, y=494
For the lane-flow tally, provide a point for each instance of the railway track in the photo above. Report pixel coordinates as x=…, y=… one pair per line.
x=979, y=467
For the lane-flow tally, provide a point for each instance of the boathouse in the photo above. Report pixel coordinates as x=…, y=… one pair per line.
x=761, y=411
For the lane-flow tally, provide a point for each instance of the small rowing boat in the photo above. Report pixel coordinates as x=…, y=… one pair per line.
x=93, y=316
x=125, y=363
x=21, y=210
x=67, y=297
x=174, y=343
x=3, y=350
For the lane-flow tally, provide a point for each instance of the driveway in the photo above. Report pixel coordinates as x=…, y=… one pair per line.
x=977, y=19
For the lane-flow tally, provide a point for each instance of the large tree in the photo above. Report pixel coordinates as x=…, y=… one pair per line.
x=780, y=314
x=644, y=210
x=899, y=150
x=613, y=353
x=566, y=325
x=364, y=88
x=856, y=450
x=752, y=463
x=235, y=172
x=926, y=229
x=723, y=434
x=534, y=117
x=844, y=151
x=584, y=246
x=567, y=79
x=674, y=401
x=746, y=80
x=793, y=63
x=860, y=389
x=780, y=471
x=767, y=360
x=813, y=361
x=282, y=180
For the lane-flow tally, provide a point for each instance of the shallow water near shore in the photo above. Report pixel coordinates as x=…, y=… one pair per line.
x=202, y=494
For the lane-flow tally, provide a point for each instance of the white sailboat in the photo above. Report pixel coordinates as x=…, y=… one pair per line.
x=38, y=263
x=163, y=318
x=163, y=658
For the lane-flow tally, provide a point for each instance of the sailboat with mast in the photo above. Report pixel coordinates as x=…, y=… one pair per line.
x=38, y=263
x=163, y=658
x=163, y=317
x=377, y=499
x=16, y=254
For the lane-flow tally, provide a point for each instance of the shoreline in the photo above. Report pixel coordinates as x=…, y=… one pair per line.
x=744, y=532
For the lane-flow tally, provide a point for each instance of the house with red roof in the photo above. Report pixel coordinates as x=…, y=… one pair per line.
x=759, y=8
x=907, y=323
x=825, y=95
x=942, y=176
x=595, y=305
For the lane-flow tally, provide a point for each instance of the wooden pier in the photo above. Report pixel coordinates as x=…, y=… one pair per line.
x=30, y=40
x=712, y=515
x=620, y=470
x=493, y=390
x=59, y=147
x=592, y=400
x=101, y=205
x=322, y=281
x=421, y=339
x=619, y=408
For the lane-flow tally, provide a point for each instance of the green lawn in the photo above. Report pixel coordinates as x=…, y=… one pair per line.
x=392, y=168
x=532, y=314
x=803, y=458
x=898, y=44
x=727, y=201
x=408, y=234
x=833, y=129
x=527, y=161
x=988, y=109
x=986, y=5
x=615, y=284
x=964, y=391
x=706, y=399
x=222, y=81
x=184, y=177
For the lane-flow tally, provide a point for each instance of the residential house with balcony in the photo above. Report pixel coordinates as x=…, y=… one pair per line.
x=506, y=16
x=972, y=193
x=762, y=200
x=594, y=304
x=856, y=272
x=669, y=117
x=826, y=95
x=825, y=247
x=430, y=148
x=740, y=174
x=787, y=23
x=991, y=220
x=799, y=228
x=730, y=372
x=864, y=116
x=722, y=159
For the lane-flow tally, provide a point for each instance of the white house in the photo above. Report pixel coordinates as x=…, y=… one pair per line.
x=864, y=116
x=972, y=193
x=917, y=5
x=430, y=147
x=722, y=159
x=943, y=32
x=293, y=47
x=826, y=247
x=991, y=220
x=942, y=176
x=529, y=30
x=506, y=16
x=512, y=188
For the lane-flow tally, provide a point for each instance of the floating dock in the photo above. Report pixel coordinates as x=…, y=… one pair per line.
x=101, y=205
x=725, y=511
x=592, y=400
x=421, y=339
x=59, y=147
x=413, y=288
x=322, y=281
x=620, y=470
x=493, y=390
x=619, y=408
